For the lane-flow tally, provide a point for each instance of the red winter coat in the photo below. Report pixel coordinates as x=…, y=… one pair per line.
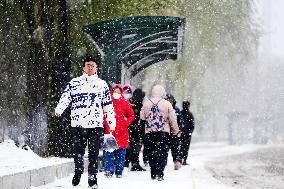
x=124, y=115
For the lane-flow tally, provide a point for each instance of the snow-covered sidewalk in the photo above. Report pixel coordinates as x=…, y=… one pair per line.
x=14, y=160
x=193, y=176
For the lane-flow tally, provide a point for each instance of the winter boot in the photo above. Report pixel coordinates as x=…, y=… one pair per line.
x=184, y=162
x=137, y=167
x=95, y=186
x=160, y=178
x=108, y=174
x=93, y=182
x=76, y=179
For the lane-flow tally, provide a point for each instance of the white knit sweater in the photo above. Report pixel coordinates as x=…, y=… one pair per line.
x=90, y=102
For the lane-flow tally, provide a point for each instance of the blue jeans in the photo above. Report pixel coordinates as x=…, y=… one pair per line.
x=114, y=161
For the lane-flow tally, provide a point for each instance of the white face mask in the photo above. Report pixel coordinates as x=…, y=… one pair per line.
x=127, y=95
x=116, y=95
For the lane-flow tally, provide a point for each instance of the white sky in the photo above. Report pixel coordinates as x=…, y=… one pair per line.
x=272, y=28
x=277, y=35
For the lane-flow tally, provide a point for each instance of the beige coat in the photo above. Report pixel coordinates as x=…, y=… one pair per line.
x=165, y=107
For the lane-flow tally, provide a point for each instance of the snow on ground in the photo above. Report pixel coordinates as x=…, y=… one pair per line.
x=207, y=161
x=201, y=153
x=263, y=168
x=194, y=176
x=14, y=159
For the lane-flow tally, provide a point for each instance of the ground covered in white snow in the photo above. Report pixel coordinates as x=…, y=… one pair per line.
x=263, y=168
x=15, y=160
x=212, y=166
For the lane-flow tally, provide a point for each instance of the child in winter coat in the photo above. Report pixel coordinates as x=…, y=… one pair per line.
x=114, y=161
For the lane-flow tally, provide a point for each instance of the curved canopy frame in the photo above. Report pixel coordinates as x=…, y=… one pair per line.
x=135, y=42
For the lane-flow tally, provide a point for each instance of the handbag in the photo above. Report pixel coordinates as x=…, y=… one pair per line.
x=109, y=143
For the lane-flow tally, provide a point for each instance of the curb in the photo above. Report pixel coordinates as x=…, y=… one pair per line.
x=38, y=177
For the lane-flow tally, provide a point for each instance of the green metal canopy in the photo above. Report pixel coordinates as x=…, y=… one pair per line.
x=134, y=43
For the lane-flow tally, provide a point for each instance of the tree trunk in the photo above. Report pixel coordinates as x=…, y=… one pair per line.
x=60, y=139
x=37, y=77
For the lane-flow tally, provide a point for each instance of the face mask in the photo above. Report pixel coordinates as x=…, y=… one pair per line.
x=127, y=96
x=116, y=95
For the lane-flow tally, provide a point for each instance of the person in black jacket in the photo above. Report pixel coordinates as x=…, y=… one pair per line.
x=175, y=141
x=187, y=130
x=136, y=131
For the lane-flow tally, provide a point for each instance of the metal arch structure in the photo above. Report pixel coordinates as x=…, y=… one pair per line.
x=135, y=43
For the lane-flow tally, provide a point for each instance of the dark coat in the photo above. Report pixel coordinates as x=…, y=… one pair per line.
x=179, y=118
x=136, y=129
x=188, y=122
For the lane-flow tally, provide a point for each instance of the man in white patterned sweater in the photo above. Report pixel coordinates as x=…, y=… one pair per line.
x=90, y=102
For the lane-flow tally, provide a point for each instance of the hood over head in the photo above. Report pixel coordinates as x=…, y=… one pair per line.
x=116, y=86
x=138, y=95
x=128, y=87
x=158, y=91
x=171, y=99
x=185, y=105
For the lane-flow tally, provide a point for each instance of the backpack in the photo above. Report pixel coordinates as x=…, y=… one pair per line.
x=155, y=120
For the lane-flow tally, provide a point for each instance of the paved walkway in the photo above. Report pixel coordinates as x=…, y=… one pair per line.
x=134, y=180
x=192, y=176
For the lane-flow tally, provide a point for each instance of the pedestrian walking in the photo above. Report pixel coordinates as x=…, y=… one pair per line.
x=114, y=160
x=187, y=131
x=160, y=119
x=90, y=101
x=136, y=131
x=175, y=141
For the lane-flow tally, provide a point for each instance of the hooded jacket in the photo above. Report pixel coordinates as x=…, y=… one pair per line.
x=188, y=119
x=136, y=129
x=167, y=111
x=124, y=117
x=173, y=101
x=90, y=102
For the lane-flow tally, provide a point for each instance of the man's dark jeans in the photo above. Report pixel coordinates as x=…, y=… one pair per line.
x=82, y=137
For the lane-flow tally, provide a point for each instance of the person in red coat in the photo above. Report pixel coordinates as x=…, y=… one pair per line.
x=124, y=114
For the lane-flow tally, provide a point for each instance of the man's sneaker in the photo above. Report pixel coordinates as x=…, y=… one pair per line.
x=95, y=186
x=177, y=165
x=108, y=174
x=153, y=177
x=76, y=179
x=92, y=181
x=137, y=167
x=160, y=178
x=118, y=176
